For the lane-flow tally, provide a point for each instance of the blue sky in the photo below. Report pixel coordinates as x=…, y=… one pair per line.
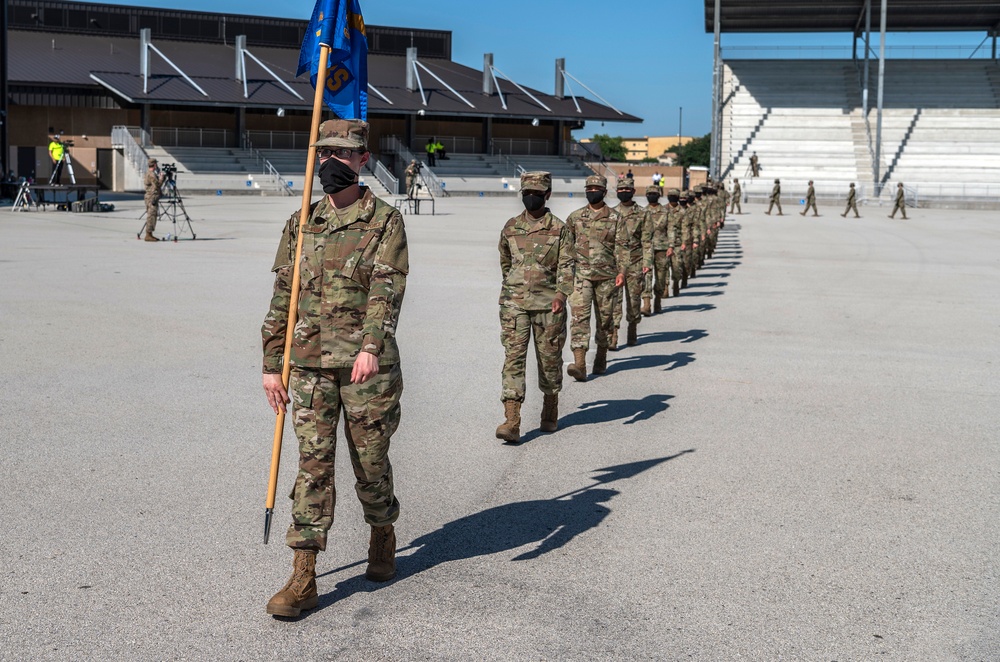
x=649, y=59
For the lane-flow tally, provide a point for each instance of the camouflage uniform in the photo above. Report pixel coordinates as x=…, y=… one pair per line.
x=411, y=179
x=689, y=234
x=659, y=219
x=353, y=276
x=736, y=201
x=811, y=201
x=852, y=202
x=536, y=261
x=599, y=260
x=679, y=240
x=699, y=211
x=638, y=237
x=900, y=201
x=775, y=198
x=153, y=183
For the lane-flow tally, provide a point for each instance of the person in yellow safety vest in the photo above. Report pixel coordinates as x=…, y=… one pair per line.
x=431, y=148
x=439, y=151
x=56, y=152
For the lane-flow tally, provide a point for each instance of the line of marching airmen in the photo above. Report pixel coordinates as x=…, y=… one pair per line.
x=603, y=261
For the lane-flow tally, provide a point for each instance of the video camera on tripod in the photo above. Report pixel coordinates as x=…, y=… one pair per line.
x=170, y=170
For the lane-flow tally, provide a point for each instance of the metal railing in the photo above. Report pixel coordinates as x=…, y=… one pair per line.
x=278, y=139
x=266, y=167
x=131, y=140
x=178, y=137
x=453, y=144
x=955, y=52
x=385, y=177
x=526, y=146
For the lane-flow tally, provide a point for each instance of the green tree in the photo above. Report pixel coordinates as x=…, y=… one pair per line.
x=613, y=148
x=698, y=152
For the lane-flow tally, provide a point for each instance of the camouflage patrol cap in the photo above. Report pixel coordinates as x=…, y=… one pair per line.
x=151, y=162
x=653, y=190
x=698, y=188
x=689, y=194
x=626, y=183
x=597, y=180
x=536, y=181
x=674, y=192
x=352, y=134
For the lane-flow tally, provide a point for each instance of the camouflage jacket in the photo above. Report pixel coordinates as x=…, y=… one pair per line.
x=687, y=225
x=638, y=234
x=353, y=275
x=810, y=195
x=851, y=195
x=697, y=213
x=900, y=196
x=536, y=261
x=677, y=233
x=600, y=243
x=153, y=185
x=737, y=190
x=776, y=192
x=658, y=218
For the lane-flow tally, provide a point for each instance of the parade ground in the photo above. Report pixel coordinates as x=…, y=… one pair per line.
x=799, y=460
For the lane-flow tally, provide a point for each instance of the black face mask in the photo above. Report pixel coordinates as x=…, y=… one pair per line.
x=594, y=197
x=336, y=176
x=532, y=201
x=625, y=196
x=653, y=199
x=673, y=199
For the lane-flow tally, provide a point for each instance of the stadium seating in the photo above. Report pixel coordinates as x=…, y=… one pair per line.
x=940, y=128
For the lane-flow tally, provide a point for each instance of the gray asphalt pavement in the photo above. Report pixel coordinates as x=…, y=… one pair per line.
x=799, y=461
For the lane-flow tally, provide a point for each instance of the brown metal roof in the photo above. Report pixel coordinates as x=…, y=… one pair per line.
x=848, y=15
x=61, y=59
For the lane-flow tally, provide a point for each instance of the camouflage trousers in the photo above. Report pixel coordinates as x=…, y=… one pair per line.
x=631, y=295
x=851, y=206
x=774, y=201
x=549, y=331
x=152, y=213
x=736, y=205
x=662, y=266
x=371, y=415
x=678, y=266
x=810, y=205
x=899, y=206
x=598, y=295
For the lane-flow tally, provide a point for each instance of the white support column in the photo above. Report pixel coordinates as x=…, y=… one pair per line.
x=716, y=100
x=144, y=58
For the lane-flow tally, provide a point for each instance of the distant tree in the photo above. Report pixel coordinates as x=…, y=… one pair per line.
x=698, y=152
x=613, y=148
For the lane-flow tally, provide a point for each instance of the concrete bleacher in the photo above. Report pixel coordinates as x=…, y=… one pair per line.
x=472, y=173
x=804, y=118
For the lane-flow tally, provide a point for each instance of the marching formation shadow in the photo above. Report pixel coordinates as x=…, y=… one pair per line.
x=673, y=336
x=545, y=524
x=671, y=361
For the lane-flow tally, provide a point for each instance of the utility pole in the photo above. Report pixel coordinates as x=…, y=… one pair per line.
x=4, y=123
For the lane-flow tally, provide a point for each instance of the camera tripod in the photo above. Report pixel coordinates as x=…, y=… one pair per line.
x=69, y=166
x=169, y=204
x=25, y=198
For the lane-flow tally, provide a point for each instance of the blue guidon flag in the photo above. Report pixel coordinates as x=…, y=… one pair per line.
x=340, y=25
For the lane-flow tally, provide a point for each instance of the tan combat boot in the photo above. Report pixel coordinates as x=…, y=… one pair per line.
x=300, y=592
x=578, y=369
x=382, y=554
x=645, y=307
x=657, y=306
x=150, y=237
x=550, y=413
x=633, y=334
x=613, y=340
x=601, y=361
x=510, y=429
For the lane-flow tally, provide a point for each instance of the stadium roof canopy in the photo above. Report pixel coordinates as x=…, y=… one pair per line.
x=849, y=15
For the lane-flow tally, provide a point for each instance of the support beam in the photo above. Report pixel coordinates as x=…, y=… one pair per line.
x=487, y=134
x=881, y=88
x=488, y=74
x=411, y=77
x=560, y=79
x=868, y=35
x=716, y=97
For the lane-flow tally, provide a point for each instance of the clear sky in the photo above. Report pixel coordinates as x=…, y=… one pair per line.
x=646, y=58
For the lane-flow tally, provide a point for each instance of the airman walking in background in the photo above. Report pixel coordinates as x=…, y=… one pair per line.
x=736, y=204
x=810, y=200
x=900, y=201
x=852, y=202
x=775, y=198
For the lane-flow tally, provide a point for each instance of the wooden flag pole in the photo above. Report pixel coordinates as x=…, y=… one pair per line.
x=293, y=305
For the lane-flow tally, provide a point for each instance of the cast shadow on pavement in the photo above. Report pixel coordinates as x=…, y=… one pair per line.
x=672, y=361
x=690, y=308
x=721, y=283
x=546, y=524
x=687, y=295
x=673, y=336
